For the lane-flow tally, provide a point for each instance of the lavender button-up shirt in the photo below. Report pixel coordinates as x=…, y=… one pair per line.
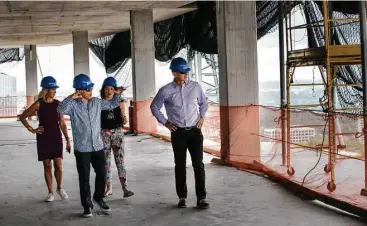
x=184, y=105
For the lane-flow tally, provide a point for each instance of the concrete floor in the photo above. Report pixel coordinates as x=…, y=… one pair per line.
x=237, y=198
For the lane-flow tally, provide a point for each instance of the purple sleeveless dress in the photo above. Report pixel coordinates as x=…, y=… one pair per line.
x=49, y=143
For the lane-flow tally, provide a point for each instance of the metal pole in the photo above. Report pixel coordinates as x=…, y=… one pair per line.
x=335, y=97
x=330, y=100
x=362, y=19
x=288, y=40
x=198, y=68
x=282, y=80
x=131, y=117
x=191, y=73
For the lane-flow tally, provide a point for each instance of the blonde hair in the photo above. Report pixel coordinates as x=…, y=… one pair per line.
x=42, y=94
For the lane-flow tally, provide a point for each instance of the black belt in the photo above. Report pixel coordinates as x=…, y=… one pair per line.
x=186, y=128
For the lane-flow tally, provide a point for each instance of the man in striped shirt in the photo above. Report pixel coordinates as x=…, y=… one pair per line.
x=85, y=115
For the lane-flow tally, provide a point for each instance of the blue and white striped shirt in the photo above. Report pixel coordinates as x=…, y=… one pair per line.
x=86, y=120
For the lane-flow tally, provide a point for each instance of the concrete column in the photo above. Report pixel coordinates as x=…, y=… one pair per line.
x=31, y=76
x=238, y=81
x=81, y=52
x=143, y=69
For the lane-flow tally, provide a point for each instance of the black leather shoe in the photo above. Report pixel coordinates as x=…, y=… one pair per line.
x=102, y=205
x=88, y=212
x=182, y=203
x=202, y=204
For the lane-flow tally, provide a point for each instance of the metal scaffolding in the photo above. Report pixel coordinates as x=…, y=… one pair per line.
x=206, y=76
x=328, y=58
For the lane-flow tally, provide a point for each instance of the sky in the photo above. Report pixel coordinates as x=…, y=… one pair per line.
x=58, y=62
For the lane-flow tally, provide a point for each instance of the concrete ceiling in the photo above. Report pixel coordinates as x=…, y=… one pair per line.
x=51, y=22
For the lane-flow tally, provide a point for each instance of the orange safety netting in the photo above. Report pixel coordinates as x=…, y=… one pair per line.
x=309, y=132
x=309, y=152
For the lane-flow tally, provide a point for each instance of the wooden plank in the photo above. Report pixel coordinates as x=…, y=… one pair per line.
x=345, y=51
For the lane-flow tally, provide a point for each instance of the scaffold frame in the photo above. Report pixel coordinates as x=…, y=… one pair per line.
x=329, y=57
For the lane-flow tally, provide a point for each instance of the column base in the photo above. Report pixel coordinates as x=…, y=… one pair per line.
x=30, y=101
x=364, y=192
x=219, y=161
x=240, y=129
x=144, y=121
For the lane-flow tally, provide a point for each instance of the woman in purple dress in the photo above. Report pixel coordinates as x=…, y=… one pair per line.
x=49, y=138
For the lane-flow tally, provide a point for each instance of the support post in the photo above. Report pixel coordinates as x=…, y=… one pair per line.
x=198, y=68
x=363, y=24
x=330, y=100
x=238, y=81
x=81, y=52
x=289, y=47
x=131, y=118
x=31, y=73
x=143, y=69
x=283, y=101
x=191, y=73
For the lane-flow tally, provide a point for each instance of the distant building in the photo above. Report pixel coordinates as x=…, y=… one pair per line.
x=8, y=95
x=8, y=86
x=298, y=135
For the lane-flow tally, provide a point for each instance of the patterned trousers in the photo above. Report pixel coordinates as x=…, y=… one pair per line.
x=114, y=139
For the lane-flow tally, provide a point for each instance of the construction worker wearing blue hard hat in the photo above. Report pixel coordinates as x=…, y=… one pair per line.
x=49, y=138
x=186, y=106
x=110, y=85
x=49, y=82
x=85, y=115
x=180, y=65
x=83, y=86
x=112, y=122
x=110, y=81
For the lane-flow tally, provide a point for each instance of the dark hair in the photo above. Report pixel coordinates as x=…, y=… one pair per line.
x=101, y=92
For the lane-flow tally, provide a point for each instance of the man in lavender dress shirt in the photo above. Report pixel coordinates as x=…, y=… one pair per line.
x=186, y=105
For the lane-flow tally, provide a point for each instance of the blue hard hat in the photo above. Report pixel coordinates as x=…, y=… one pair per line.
x=49, y=82
x=82, y=82
x=180, y=65
x=110, y=81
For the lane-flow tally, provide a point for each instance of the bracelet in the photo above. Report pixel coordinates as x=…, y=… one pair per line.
x=30, y=129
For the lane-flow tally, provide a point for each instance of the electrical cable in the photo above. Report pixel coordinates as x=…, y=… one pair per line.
x=319, y=159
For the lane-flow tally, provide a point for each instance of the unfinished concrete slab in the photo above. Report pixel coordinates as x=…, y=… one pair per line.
x=51, y=22
x=237, y=197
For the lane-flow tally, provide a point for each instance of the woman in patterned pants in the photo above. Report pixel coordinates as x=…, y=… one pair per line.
x=112, y=122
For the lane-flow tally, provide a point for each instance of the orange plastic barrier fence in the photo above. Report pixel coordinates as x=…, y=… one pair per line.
x=309, y=154
x=313, y=166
